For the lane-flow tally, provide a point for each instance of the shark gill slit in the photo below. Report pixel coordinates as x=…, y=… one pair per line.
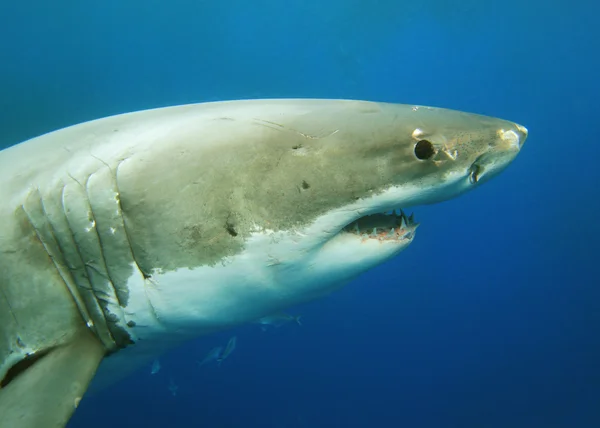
x=120, y=335
x=104, y=334
x=145, y=276
x=89, y=299
x=114, y=279
x=104, y=272
x=67, y=276
x=114, y=180
x=56, y=257
x=142, y=271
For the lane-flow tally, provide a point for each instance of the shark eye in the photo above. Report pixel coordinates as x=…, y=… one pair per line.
x=424, y=150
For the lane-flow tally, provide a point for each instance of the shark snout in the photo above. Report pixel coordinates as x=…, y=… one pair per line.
x=513, y=138
x=522, y=133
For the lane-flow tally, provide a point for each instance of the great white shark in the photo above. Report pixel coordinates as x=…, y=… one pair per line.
x=124, y=236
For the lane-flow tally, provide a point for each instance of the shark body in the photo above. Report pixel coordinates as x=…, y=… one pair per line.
x=124, y=236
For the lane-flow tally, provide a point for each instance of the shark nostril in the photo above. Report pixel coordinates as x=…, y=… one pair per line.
x=474, y=173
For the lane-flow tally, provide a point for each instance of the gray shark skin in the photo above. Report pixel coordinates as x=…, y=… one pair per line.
x=124, y=236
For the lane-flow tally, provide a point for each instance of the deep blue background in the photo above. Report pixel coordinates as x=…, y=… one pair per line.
x=491, y=317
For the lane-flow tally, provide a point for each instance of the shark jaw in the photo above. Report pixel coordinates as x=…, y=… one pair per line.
x=276, y=270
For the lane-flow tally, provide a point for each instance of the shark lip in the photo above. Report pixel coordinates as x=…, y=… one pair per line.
x=388, y=226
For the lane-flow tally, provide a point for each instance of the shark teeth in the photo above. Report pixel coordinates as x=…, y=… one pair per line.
x=390, y=225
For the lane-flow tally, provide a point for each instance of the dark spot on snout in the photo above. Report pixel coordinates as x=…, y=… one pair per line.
x=424, y=150
x=305, y=185
x=230, y=229
x=299, y=146
x=131, y=324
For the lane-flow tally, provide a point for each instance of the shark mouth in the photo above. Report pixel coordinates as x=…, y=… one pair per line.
x=389, y=226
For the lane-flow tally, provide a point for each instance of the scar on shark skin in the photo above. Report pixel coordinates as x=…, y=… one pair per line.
x=279, y=127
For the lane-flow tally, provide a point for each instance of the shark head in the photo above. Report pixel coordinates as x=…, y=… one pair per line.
x=272, y=203
x=376, y=163
x=126, y=235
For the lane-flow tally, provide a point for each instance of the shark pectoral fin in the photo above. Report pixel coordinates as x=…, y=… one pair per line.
x=46, y=393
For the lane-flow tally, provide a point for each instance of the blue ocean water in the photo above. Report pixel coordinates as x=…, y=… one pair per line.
x=491, y=317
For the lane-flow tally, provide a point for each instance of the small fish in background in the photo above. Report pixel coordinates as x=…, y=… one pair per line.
x=277, y=320
x=228, y=350
x=173, y=387
x=155, y=367
x=213, y=355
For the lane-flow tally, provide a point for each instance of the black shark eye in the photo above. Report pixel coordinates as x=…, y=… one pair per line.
x=424, y=150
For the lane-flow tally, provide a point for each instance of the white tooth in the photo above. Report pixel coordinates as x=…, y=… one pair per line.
x=402, y=224
x=374, y=233
x=356, y=229
x=391, y=233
